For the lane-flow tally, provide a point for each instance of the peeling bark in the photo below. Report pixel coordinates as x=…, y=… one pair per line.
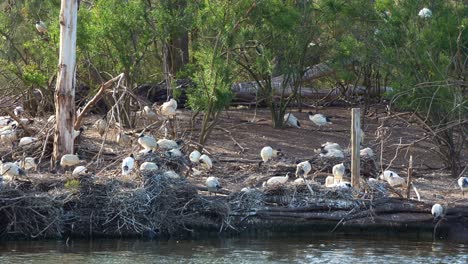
x=65, y=87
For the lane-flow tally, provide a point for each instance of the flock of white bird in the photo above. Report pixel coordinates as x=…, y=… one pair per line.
x=199, y=161
x=11, y=170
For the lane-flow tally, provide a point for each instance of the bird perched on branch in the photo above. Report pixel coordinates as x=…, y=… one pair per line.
x=291, y=120
x=425, y=13
x=41, y=27
x=463, y=183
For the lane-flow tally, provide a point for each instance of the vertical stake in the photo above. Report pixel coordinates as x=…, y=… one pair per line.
x=410, y=174
x=355, y=146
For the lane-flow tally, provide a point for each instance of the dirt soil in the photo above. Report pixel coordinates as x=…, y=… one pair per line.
x=236, y=142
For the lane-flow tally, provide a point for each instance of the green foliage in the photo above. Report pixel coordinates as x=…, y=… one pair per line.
x=274, y=40
x=423, y=59
x=213, y=83
x=427, y=58
x=72, y=184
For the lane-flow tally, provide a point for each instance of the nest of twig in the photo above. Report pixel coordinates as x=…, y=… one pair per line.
x=160, y=206
x=30, y=214
x=291, y=196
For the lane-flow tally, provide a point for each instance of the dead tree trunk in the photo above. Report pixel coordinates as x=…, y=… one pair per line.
x=65, y=88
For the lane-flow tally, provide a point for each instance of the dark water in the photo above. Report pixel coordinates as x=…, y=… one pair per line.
x=293, y=249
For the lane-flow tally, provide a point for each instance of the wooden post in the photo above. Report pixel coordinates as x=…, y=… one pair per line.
x=410, y=175
x=355, y=146
x=65, y=87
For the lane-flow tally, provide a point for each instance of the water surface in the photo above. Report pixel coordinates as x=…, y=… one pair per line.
x=292, y=249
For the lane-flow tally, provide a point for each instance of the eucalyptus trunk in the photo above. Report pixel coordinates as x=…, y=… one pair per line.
x=65, y=88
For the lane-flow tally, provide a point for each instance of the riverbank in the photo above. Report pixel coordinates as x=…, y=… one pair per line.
x=158, y=207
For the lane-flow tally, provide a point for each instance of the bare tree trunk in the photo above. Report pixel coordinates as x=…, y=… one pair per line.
x=167, y=69
x=65, y=88
x=179, y=52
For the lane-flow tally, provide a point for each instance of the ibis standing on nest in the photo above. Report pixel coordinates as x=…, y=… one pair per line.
x=171, y=174
x=27, y=163
x=338, y=172
x=213, y=185
x=206, y=162
x=148, y=166
x=11, y=170
x=169, y=144
x=291, y=120
x=303, y=169
x=147, y=142
x=195, y=156
x=127, y=165
x=278, y=180
x=173, y=153
x=319, y=119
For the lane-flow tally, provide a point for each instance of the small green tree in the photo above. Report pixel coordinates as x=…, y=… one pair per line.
x=272, y=49
x=428, y=59
x=213, y=69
